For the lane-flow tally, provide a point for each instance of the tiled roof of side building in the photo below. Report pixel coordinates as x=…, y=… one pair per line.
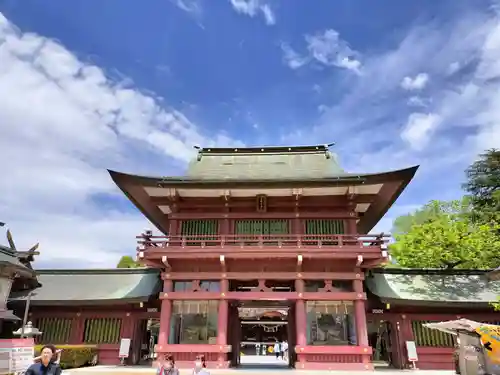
x=410, y=286
x=94, y=287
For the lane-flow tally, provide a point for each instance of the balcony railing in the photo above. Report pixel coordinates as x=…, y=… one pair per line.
x=278, y=240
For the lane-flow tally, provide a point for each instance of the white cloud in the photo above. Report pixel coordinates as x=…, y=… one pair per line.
x=417, y=101
x=62, y=123
x=268, y=14
x=189, y=6
x=326, y=48
x=292, y=58
x=416, y=83
x=253, y=8
x=419, y=128
x=371, y=105
x=453, y=67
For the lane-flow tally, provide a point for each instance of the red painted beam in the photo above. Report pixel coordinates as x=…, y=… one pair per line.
x=265, y=253
x=306, y=202
x=320, y=349
x=193, y=348
x=333, y=296
x=263, y=275
x=257, y=215
x=262, y=296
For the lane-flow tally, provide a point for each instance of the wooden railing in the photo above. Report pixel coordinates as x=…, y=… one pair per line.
x=275, y=240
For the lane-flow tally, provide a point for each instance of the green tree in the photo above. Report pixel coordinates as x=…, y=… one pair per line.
x=483, y=187
x=430, y=211
x=447, y=239
x=127, y=261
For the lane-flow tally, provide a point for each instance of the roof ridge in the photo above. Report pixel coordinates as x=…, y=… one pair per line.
x=264, y=149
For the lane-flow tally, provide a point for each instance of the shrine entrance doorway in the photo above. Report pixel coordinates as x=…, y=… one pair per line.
x=264, y=327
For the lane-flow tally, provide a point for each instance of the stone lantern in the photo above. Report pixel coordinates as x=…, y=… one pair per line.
x=27, y=331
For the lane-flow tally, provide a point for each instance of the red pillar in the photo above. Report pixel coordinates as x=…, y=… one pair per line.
x=300, y=321
x=222, y=321
x=165, y=314
x=360, y=315
x=77, y=330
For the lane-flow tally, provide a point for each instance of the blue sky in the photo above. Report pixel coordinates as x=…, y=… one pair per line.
x=132, y=86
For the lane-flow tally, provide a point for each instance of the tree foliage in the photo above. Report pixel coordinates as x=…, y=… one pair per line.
x=432, y=210
x=127, y=261
x=483, y=187
x=496, y=305
x=441, y=236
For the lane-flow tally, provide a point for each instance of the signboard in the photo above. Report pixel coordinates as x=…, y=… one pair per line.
x=16, y=355
x=124, y=348
x=411, y=351
x=490, y=338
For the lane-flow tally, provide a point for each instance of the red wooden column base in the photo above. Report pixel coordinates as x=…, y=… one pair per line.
x=185, y=354
x=346, y=358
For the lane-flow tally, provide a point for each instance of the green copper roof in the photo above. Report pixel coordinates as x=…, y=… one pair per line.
x=438, y=286
x=265, y=163
x=94, y=286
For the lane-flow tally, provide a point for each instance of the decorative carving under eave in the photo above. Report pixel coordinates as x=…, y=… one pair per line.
x=263, y=287
x=329, y=287
x=196, y=287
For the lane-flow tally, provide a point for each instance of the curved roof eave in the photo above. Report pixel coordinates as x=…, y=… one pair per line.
x=403, y=174
x=124, y=181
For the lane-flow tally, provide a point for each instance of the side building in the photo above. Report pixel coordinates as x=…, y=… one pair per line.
x=99, y=307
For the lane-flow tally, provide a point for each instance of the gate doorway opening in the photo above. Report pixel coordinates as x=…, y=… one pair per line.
x=143, y=351
x=265, y=335
x=379, y=338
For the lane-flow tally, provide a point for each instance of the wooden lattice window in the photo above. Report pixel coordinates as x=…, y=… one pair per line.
x=197, y=232
x=102, y=331
x=430, y=337
x=324, y=226
x=54, y=330
x=320, y=229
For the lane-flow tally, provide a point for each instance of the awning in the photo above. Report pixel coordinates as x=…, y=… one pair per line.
x=454, y=326
x=93, y=287
x=433, y=287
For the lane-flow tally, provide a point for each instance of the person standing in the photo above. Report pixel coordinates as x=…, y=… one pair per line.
x=200, y=367
x=47, y=365
x=168, y=367
x=285, y=350
x=277, y=349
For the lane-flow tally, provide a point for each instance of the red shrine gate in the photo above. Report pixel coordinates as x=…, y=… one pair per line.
x=309, y=291
x=283, y=225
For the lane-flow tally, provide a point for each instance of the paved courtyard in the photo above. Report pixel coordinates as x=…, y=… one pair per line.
x=251, y=365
